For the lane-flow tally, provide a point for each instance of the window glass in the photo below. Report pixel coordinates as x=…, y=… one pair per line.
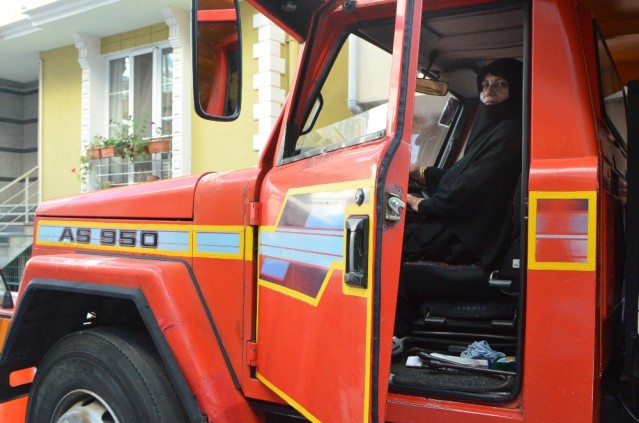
x=167, y=92
x=119, y=75
x=432, y=118
x=612, y=91
x=353, y=102
x=141, y=87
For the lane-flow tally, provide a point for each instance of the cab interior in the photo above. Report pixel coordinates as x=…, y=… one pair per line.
x=454, y=306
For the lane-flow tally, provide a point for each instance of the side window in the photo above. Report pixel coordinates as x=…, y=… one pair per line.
x=612, y=91
x=352, y=104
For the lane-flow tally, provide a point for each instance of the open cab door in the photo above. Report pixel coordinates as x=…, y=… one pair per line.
x=325, y=296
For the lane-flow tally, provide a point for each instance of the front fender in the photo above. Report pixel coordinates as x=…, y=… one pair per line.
x=66, y=293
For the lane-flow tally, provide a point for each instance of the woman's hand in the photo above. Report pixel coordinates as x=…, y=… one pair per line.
x=413, y=202
x=416, y=173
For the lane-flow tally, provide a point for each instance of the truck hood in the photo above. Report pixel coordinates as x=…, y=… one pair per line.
x=169, y=199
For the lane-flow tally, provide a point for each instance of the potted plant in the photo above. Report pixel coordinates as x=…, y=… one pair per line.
x=107, y=148
x=161, y=143
x=126, y=140
x=84, y=170
x=93, y=151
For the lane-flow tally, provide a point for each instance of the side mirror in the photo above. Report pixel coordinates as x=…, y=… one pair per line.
x=217, y=59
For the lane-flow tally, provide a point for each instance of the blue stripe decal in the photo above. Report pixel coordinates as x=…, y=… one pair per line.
x=50, y=233
x=178, y=241
x=173, y=241
x=304, y=241
x=218, y=242
x=313, y=259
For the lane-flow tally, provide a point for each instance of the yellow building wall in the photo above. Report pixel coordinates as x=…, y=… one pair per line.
x=136, y=38
x=60, y=120
x=222, y=146
x=216, y=146
x=335, y=92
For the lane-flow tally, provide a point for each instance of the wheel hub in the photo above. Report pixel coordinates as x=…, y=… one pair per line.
x=83, y=406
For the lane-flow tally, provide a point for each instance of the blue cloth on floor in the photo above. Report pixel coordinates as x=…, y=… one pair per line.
x=481, y=349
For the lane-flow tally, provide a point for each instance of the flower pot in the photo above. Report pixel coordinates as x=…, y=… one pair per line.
x=93, y=153
x=159, y=145
x=107, y=151
x=151, y=178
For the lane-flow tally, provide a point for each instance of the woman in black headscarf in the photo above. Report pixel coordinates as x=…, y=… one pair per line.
x=468, y=215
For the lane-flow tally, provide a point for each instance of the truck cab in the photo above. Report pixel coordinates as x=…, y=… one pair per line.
x=273, y=293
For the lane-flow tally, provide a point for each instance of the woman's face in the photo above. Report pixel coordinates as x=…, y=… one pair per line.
x=494, y=90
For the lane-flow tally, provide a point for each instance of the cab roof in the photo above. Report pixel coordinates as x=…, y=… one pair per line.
x=618, y=20
x=294, y=16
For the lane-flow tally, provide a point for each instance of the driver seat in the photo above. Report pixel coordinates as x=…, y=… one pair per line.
x=456, y=304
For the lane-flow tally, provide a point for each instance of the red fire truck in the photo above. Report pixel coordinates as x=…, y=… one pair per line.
x=269, y=294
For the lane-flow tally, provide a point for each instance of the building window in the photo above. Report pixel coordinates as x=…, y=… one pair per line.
x=141, y=87
x=140, y=90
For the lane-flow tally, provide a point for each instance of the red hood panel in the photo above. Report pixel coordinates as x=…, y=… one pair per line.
x=169, y=199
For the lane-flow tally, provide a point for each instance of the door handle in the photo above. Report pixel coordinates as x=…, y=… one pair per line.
x=356, y=271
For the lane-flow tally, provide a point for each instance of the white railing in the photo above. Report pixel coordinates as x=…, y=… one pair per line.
x=14, y=254
x=116, y=171
x=19, y=201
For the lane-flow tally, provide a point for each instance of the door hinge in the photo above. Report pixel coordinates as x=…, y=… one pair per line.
x=255, y=213
x=251, y=353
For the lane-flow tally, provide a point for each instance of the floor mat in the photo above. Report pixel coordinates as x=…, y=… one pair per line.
x=450, y=380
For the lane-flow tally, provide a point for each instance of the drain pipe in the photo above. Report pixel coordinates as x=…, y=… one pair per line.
x=40, y=85
x=353, y=72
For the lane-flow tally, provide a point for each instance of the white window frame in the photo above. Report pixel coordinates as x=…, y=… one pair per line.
x=156, y=89
x=158, y=163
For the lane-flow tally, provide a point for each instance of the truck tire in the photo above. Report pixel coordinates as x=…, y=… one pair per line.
x=102, y=375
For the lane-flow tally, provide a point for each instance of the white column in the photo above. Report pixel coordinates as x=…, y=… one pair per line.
x=179, y=37
x=94, y=76
x=267, y=81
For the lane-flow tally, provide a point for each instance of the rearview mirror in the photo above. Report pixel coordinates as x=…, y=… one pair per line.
x=431, y=87
x=216, y=59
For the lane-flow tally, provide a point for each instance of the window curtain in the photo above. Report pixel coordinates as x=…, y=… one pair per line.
x=143, y=90
x=119, y=74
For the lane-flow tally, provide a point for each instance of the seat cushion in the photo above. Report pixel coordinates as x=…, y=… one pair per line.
x=436, y=280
